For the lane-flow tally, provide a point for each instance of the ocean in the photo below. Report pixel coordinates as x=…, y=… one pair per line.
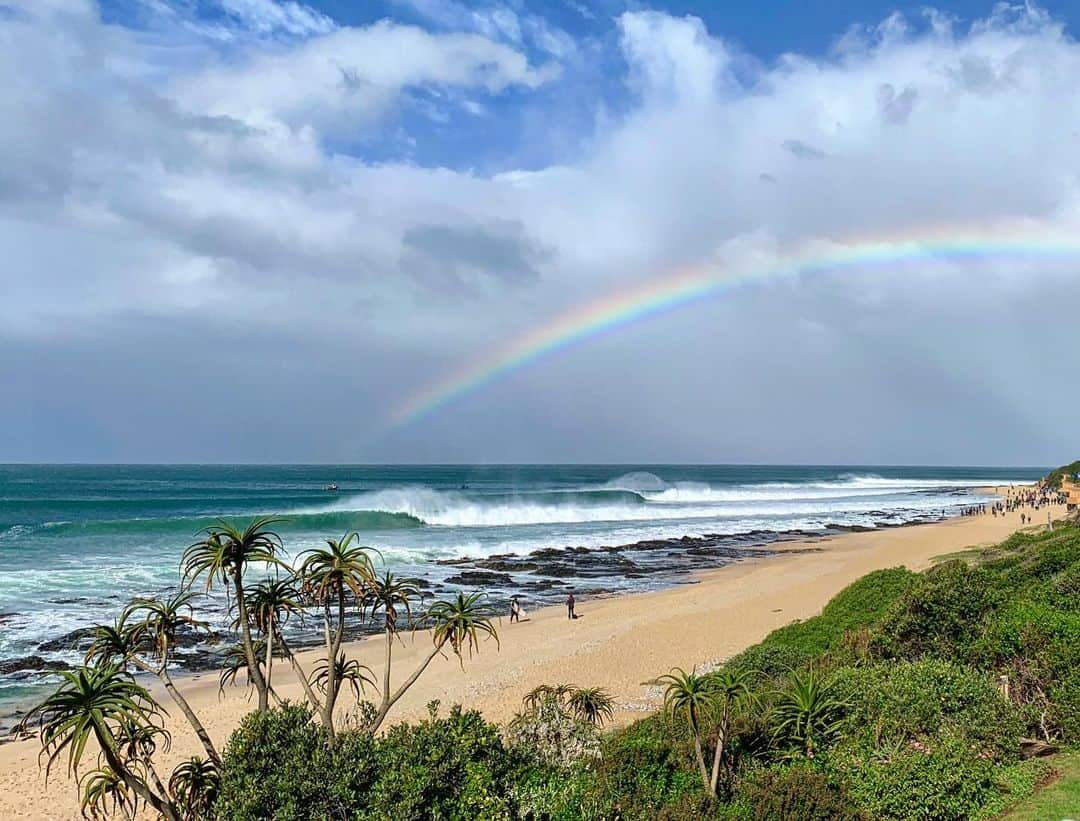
x=76, y=542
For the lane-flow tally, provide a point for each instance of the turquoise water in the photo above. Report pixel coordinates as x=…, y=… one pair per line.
x=78, y=541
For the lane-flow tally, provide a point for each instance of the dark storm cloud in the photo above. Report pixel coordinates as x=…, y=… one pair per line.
x=453, y=257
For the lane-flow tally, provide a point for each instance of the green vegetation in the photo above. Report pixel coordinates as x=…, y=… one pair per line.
x=1059, y=798
x=1055, y=477
x=910, y=696
x=102, y=704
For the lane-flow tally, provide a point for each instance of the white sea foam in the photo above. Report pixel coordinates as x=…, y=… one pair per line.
x=683, y=501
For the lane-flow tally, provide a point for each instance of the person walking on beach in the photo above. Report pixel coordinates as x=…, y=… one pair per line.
x=570, y=606
x=515, y=610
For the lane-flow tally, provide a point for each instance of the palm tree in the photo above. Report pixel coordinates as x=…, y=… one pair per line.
x=461, y=623
x=223, y=555
x=731, y=690
x=390, y=594
x=162, y=620
x=694, y=696
x=329, y=575
x=592, y=704
x=194, y=786
x=807, y=715
x=103, y=703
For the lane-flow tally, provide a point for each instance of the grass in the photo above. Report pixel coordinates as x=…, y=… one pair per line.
x=1058, y=800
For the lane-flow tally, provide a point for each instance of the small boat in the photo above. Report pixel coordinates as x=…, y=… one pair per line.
x=332, y=488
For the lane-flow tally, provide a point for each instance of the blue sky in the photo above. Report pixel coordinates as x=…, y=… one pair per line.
x=250, y=230
x=592, y=79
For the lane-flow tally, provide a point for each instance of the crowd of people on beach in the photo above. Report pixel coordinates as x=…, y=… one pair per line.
x=1026, y=501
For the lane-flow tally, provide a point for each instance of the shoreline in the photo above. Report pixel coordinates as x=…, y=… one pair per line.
x=618, y=642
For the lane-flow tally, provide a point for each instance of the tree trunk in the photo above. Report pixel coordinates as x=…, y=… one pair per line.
x=269, y=653
x=384, y=708
x=331, y=671
x=386, y=672
x=159, y=803
x=718, y=754
x=300, y=674
x=163, y=674
x=701, y=760
x=254, y=672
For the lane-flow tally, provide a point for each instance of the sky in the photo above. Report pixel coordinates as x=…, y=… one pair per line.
x=257, y=230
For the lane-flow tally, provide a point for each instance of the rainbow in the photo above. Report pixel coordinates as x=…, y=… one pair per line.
x=691, y=285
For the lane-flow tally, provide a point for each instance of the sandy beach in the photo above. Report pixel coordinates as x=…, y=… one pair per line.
x=617, y=643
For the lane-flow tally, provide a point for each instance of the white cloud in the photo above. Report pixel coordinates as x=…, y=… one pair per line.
x=345, y=81
x=270, y=16
x=137, y=184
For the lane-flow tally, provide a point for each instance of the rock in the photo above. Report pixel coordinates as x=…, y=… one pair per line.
x=75, y=640
x=34, y=664
x=479, y=578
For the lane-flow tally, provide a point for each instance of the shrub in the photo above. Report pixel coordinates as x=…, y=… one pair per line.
x=857, y=606
x=944, y=781
x=643, y=768
x=795, y=794
x=454, y=768
x=940, y=615
x=904, y=701
x=552, y=735
x=552, y=793
x=772, y=660
x=277, y=765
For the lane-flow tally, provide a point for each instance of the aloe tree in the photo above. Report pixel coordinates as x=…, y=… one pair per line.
x=194, y=786
x=392, y=596
x=460, y=623
x=730, y=691
x=693, y=696
x=807, y=715
x=270, y=604
x=592, y=704
x=105, y=794
x=104, y=704
x=161, y=621
x=331, y=576
x=357, y=675
x=224, y=554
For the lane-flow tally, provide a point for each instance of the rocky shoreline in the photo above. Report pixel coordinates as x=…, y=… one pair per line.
x=540, y=578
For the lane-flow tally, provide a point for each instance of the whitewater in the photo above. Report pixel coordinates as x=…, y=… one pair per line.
x=77, y=541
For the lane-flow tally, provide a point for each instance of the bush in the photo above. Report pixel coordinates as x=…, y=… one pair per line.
x=277, y=765
x=795, y=794
x=859, y=605
x=905, y=701
x=552, y=735
x=944, y=781
x=453, y=768
x=644, y=767
x=940, y=615
x=772, y=660
x=281, y=765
